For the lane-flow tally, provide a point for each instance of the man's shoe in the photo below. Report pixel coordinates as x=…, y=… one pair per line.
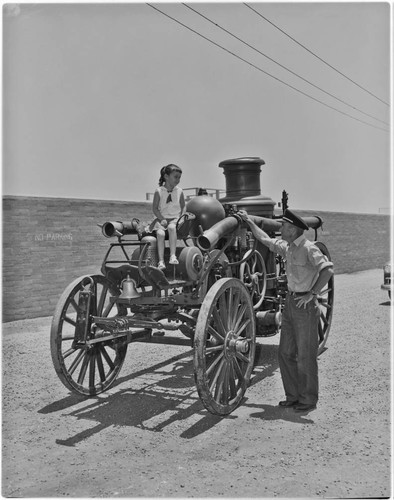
x=304, y=407
x=287, y=403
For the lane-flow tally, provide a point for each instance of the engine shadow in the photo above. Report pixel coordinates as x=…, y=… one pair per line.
x=162, y=396
x=153, y=407
x=73, y=399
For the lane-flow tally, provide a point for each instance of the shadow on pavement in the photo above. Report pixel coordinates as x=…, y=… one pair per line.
x=162, y=398
x=269, y=412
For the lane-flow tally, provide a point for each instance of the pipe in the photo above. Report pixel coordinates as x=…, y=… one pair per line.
x=210, y=238
x=268, y=225
x=117, y=228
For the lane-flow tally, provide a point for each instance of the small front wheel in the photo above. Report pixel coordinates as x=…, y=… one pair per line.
x=224, y=346
x=86, y=369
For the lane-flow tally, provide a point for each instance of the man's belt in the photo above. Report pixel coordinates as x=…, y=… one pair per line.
x=297, y=294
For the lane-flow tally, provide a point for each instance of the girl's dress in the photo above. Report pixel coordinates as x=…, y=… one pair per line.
x=169, y=206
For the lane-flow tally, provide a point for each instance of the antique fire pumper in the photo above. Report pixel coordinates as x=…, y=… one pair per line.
x=227, y=289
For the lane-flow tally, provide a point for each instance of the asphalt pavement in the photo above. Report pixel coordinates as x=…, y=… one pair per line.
x=150, y=436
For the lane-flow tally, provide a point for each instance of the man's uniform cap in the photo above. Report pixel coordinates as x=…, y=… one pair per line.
x=294, y=219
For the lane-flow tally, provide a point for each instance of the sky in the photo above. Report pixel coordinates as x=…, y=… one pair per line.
x=98, y=97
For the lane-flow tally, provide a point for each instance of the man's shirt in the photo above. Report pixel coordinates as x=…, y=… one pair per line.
x=304, y=261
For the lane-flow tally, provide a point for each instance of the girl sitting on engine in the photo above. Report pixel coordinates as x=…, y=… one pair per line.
x=168, y=206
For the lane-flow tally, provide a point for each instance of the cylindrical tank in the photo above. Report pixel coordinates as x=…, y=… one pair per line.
x=243, y=186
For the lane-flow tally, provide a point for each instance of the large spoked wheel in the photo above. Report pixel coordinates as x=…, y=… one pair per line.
x=224, y=346
x=87, y=370
x=253, y=273
x=326, y=303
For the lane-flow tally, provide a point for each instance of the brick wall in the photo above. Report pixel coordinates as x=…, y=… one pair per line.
x=48, y=242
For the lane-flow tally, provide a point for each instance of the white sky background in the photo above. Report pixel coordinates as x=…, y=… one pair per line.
x=98, y=97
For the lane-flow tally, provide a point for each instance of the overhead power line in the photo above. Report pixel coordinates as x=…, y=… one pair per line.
x=263, y=71
x=315, y=55
x=282, y=66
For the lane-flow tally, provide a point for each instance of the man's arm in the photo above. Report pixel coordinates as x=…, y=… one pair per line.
x=258, y=233
x=324, y=277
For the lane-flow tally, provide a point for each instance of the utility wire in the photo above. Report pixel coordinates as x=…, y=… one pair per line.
x=282, y=66
x=261, y=70
x=315, y=55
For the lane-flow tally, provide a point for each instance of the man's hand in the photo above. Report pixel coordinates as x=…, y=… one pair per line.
x=303, y=300
x=244, y=215
x=164, y=223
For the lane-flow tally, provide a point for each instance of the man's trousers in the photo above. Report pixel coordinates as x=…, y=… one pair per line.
x=298, y=348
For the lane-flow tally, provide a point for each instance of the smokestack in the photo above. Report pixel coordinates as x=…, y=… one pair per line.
x=243, y=186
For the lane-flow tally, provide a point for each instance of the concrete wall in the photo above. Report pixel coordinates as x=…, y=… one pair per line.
x=48, y=242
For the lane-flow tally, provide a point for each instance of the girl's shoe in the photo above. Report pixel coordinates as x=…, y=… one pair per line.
x=161, y=265
x=173, y=260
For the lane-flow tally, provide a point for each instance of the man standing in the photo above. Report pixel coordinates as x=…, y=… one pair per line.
x=308, y=271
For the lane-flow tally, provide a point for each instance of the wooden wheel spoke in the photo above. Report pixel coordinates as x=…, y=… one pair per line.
x=242, y=357
x=76, y=362
x=84, y=368
x=103, y=296
x=100, y=366
x=232, y=385
x=220, y=381
x=68, y=353
x=92, y=368
x=230, y=310
x=70, y=321
x=226, y=385
x=242, y=327
x=323, y=319
x=216, y=374
x=67, y=338
x=213, y=349
x=214, y=363
x=235, y=308
x=108, y=309
x=223, y=311
x=238, y=370
x=75, y=305
x=220, y=330
x=241, y=313
x=107, y=357
x=321, y=332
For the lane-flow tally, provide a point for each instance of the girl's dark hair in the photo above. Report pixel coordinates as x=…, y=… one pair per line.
x=167, y=170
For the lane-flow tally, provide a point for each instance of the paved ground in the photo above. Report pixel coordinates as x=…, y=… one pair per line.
x=150, y=436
